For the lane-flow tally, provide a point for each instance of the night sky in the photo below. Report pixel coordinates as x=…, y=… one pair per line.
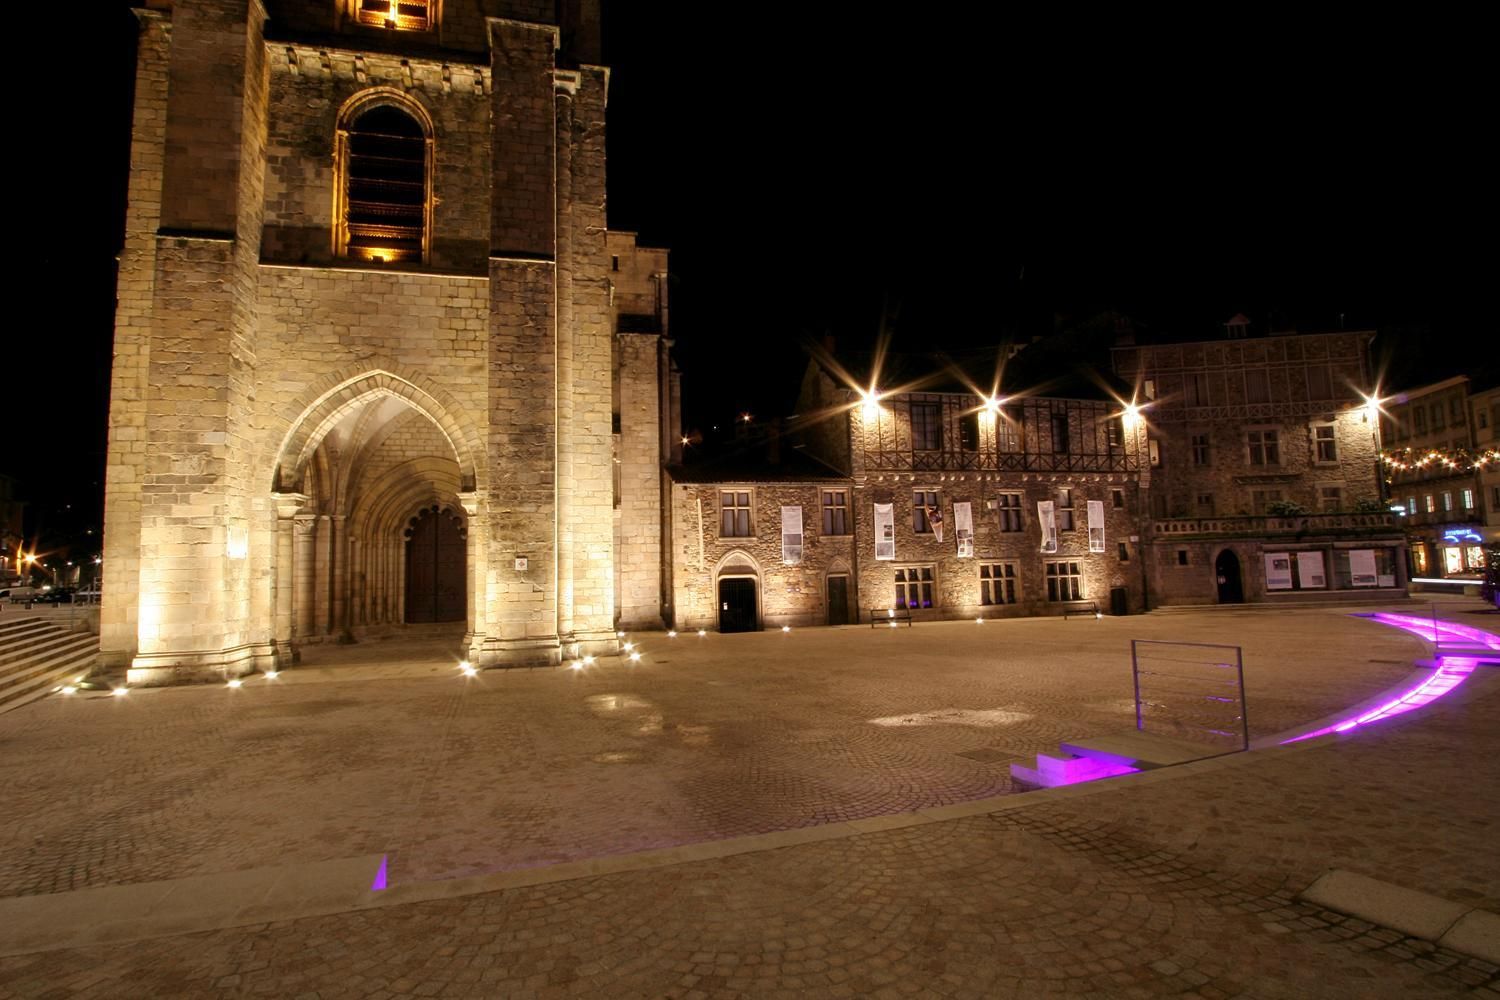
x=958, y=183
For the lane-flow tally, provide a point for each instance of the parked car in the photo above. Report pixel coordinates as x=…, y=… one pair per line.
x=55, y=595
x=20, y=595
x=88, y=595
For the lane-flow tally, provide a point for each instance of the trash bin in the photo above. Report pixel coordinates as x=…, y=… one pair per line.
x=1119, y=602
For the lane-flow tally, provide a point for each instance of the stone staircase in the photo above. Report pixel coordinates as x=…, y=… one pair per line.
x=36, y=656
x=1108, y=756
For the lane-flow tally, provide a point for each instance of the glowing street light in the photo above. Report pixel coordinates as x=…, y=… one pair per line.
x=871, y=403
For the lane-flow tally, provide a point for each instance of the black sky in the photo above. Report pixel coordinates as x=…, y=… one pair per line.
x=969, y=177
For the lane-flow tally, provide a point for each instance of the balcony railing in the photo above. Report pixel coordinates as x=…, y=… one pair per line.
x=1301, y=524
x=996, y=461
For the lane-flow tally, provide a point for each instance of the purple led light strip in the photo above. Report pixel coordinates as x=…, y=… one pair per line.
x=1451, y=671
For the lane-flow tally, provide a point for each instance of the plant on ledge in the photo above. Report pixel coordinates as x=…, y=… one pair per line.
x=1369, y=505
x=1285, y=508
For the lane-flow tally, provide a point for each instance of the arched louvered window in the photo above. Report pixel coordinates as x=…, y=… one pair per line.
x=386, y=192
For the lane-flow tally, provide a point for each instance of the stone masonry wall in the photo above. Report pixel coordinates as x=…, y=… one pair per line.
x=785, y=595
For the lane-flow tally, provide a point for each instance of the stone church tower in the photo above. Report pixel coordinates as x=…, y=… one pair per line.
x=372, y=344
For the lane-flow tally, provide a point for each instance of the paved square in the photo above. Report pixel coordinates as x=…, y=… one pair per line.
x=385, y=748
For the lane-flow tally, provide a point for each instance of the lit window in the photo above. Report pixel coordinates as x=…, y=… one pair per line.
x=1010, y=512
x=384, y=154
x=1327, y=447
x=968, y=432
x=1431, y=504
x=997, y=583
x=1064, y=582
x=1447, y=500
x=1008, y=430
x=1468, y=499
x=1330, y=499
x=914, y=587
x=400, y=15
x=835, y=512
x=734, y=514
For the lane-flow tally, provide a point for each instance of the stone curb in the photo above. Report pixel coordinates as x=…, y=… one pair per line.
x=1450, y=925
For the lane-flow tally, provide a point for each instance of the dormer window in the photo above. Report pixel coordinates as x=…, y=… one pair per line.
x=396, y=15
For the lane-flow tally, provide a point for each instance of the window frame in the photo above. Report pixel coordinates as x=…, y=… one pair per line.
x=1064, y=582
x=748, y=508
x=932, y=430
x=919, y=523
x=925, y=581
x=353, y=109
x=1330, y=454
x=1202, y=448
x=999, y=578
x=1268, y=446
x=1005, y=510
x=841, y=507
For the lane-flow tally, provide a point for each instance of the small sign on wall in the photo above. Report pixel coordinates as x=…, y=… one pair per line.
x=520, y=564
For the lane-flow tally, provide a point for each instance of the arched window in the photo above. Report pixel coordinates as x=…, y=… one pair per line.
x=385, y=158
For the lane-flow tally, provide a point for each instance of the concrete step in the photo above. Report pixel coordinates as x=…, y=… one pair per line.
x=1142, y=751
x=40, y=644
x=1053, y=770
x=81, y=649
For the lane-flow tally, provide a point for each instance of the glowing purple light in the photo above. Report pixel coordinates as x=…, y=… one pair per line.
x=380, y=876
x=1450, y=672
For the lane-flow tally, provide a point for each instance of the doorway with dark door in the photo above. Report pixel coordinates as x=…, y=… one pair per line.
x=436, y=558
x=737, y=605
x=1227, y=572
x=838, y=600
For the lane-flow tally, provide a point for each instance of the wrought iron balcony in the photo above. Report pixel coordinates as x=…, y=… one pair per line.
x=1252, y=526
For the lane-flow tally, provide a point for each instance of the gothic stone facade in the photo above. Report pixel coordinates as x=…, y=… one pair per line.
x=367, y=368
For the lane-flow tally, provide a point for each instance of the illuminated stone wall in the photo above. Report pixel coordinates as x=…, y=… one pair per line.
x=786, y=595
x=279, y=416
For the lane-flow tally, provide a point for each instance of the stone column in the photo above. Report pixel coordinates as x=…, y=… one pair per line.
x=338, y=572
x=303, y=574
x=288, y=505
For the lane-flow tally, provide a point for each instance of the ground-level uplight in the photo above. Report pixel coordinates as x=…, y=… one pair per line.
x=468, y=669
x=629, y=646
x=235, y=682
x=68, y=689
x=120, y=692
x=672, y=634
x=635, y=657
x=1098, y=615
x=576, y=664
x=271, y=675
x=702, y=632
x=979, y=621
x=587, y=661
x=786, y=628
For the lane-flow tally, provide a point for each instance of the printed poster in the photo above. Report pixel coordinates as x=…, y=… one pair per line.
x=885, y=531
x=963, y=528
x=791, y=535
x=1046, y=515
x=935, y=521
x=1310, y=573
x=1278, y=571
x=1362, y=568
x=1096, y=525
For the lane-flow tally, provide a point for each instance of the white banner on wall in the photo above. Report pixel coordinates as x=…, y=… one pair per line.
x=1310, y=572
x=963, y=528
x=791, y=535
x=1362, y=568
x=885, y=531
x=1046, y=516
x=1278, y=571
x=1096, y=525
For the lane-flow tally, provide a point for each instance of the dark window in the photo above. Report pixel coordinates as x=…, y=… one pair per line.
x=1182, y=557
x=1195, y=389
x=1064, y=510
x=920, y=501
x=1265, y=448
x=614, y=263
x=1257, y=386
x=1010, y=512
x=1115, y=433
x=386, y=194
x=1200, y=449
x=1418, y=420
x=1205, y=505
x=835, y=512
x=1327, y=447
x=1008, y=431
x=1060, y=433
x=1455, y=411
x=914, y=587
x=1330, y=499
x=1124, y=552
x=997, y=583
x=926, y=427
x=1319, y=382
x=734, y=514
x=1117, y=499
x=968, y=432
x=1064, y=582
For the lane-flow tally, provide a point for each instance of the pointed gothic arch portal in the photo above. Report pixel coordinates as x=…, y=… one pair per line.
x=436, y=567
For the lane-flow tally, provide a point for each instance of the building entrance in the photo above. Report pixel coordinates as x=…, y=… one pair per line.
x=435, y=562
x=737, y=605
x=838, y=600
x=1227, y=570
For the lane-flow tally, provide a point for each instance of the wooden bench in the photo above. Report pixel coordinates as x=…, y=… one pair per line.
x=889, y=617
x=1090, y=608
